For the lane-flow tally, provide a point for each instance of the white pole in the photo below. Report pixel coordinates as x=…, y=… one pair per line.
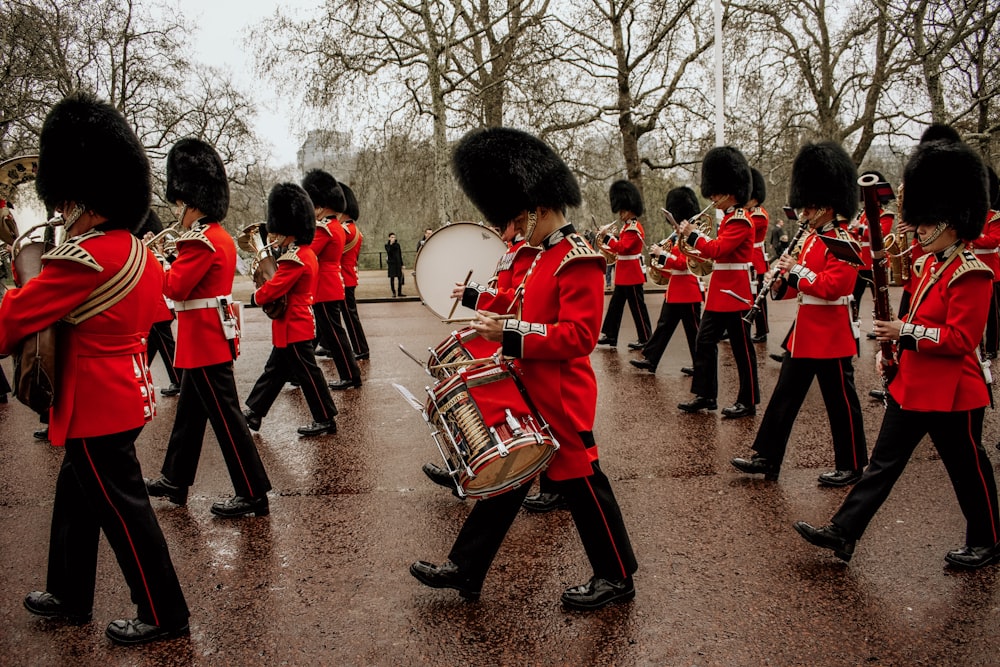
x=720, y=103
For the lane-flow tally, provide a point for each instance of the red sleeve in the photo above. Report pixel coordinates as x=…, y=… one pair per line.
x=630, y=243
x=731, y=237
x=964, y=323
x=281, y=282
x=837, y=279
x=194, y=259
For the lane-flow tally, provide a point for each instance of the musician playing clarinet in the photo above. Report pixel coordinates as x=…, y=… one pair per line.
x=939, y=389
x=822, y=340
x=521, y=185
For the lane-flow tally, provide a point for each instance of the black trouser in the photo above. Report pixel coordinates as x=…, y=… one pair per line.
x=352, y=322
x=991, y=341
x=161, y=339
x=760, y=321
x=4, y=385
x=864, y=281
x=334, y=338
x=689, y=314
x=394, y=276
x=957, y=437
x=633, y=295
x=595, y=512
x=836, y=382
x=706, y=356
x=100, y=487
x=298, y=361
x=208, y=394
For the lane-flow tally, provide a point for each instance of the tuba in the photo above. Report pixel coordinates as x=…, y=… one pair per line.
x=263, y=266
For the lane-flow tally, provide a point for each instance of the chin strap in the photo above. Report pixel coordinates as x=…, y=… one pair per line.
x=941, y=226
x=74, y=215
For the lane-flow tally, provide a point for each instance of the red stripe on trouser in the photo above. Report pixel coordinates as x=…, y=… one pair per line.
x=604, y=520
x=336, y=339
x=319, y=398
x=229, y=434
x=982, y=478
x=850, y=417
x=128, y=536
x=750, y=368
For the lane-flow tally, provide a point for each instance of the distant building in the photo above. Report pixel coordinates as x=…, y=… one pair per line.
x=330, y=151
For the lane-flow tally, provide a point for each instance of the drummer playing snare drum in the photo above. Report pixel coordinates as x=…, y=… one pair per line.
x=519, y=183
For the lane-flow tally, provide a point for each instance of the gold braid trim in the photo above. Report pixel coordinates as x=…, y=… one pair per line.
x=354, y=241
x=195, y=235
x=968, y=263
x=116, y=288
x=580, y=250
x=291, y=255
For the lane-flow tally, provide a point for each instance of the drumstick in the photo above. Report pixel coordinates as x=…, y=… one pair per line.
x=407, y=353
x=510, y=316
x=466, y=362
x=451, y=313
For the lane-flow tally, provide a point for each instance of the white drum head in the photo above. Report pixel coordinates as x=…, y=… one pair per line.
x=447, y=257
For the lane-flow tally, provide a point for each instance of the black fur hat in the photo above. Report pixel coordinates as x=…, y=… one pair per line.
x=290, y=212
x=197, y=177
x=324, y=190
x=351, y=207
x=724, y=171
x=505, y=172
x=939, y=131
x=114, y=180
x=758, y=190
x=625, y=197
x=682, y=203
x=151, y=223
x=994, y=187
x=824, y=175
x=946, y=181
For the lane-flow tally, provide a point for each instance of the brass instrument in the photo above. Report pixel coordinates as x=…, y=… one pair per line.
x=263, y=266
x=609, y=257
x=167, y=238
x=656, y=273
x=699, y=264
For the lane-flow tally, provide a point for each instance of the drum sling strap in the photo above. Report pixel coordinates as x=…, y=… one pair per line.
x=115, y=289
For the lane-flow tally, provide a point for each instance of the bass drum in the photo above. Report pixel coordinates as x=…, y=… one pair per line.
x=446, y=258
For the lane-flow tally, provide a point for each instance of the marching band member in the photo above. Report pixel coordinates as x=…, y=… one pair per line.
x=353, y=238
x=939, y=389
x=200, y=282
x=726, y=180
x=986, y=248
x=684, y=294
x=761, y=223
x=518, y=182
x=822, y=339
x=93, y=170
x=630, y=274
x=328, y=244
x=862, y=233
x=161, y=336
x=290, y=216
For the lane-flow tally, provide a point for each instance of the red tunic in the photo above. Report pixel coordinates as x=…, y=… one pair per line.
x=863, y=237
x=732, y=251
x=560, y=318
x=823, y=284
x=628, y=246
x=297, y=275
x=204, y=269
x=328, y=245
x=682, y=286
x=939, y=369
x=761, y=222
x=986, y=246
x=353, y=238
x=103, y=384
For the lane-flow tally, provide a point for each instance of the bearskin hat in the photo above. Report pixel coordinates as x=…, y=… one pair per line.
x=506, y=171
x=290, y=212
x=824, y=175
x=115, y=180
x=724, y=171
x=351, y=207
x=939, y=131
x=197, y=177
x=324, y=190
x=994, y=188
x=625, y=197
x=151, y=223
x=946, y=181
x=758, y=188
x=682, y=203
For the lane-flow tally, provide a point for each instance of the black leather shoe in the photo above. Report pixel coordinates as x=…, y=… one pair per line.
x=41, y=434
x=644, y=364
x=840, y=477
x=340, y=385
x=440, y=476
x=879, y=394
x=401, y=294
x=362, y=356
x=45, y=604
x=604, y=340
x=133, y=631
x=253, y=419
x=699, y=403
x=544, y=502
x=636, y=345
x=598, y=593
x=318, y=428
x=172, y=390
x=445, y=575
x=687, y=370
x=161, y=487
x=323, y=352
x=759, y=339
x=827, y=537
x=780, y=358
x=758, y=465
x=238, y=506
x=737, y=410
x=870, y=335
x=970, y=558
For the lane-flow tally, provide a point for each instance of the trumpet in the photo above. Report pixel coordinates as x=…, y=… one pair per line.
x=263, y=266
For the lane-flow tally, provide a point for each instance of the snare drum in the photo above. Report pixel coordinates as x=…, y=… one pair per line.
x=462, y=345
x=491, y=439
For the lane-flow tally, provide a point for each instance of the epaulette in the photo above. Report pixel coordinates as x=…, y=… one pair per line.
x=631, y=226
x=579, y=249
x=291, y=255
x=71, y=251
x=351, y=240
x=968, y=262
x=195, y=235
x=506, y=261
x=740, y=214
x=992, y=216
x=919, y=264
x=324, y=225
x=844, y=235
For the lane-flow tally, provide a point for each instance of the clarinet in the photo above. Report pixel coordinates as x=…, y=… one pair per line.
x=758, y=303
x=880, y=271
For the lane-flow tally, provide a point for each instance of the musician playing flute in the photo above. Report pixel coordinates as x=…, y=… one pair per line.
x=822, y=340
x=522, y=186
x=939, y=389
x=104, y=285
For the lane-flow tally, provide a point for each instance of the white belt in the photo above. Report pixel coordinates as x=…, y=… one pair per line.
x=816, y=301
x=620, y=257
x=758, y=245
x=678, y=272
x=866, y=245
x=985, y=251
x=197, y=304
x=742, y=266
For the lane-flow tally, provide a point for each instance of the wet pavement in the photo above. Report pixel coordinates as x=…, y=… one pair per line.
x=723, y=578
